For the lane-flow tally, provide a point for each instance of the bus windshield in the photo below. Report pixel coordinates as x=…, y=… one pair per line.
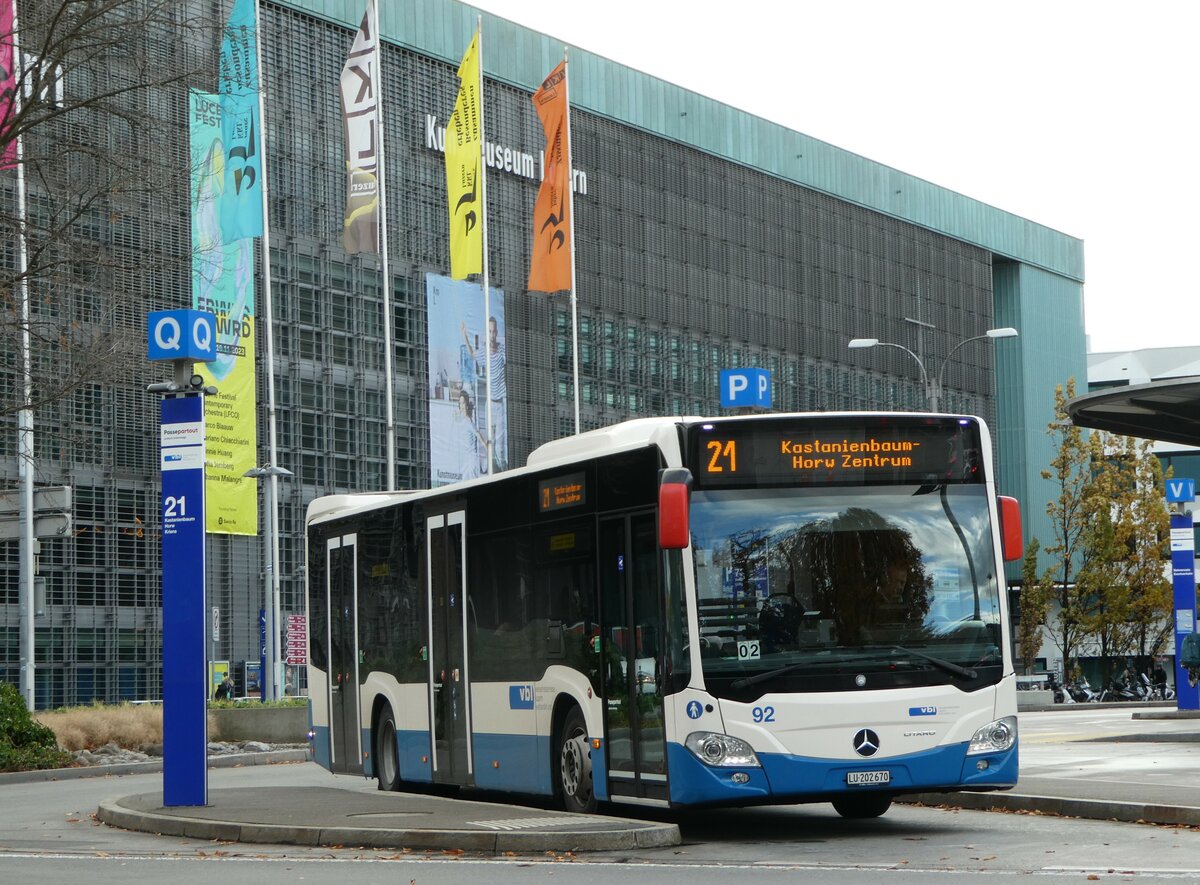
x=836, y=589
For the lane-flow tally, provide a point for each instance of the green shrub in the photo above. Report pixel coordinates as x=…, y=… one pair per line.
x=24, y=743
x=252, y=702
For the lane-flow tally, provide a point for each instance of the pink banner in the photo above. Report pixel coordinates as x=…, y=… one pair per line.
x=8, y=83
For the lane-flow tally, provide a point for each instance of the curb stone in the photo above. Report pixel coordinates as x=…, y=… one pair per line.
x=229, y=760
x=1088, y=809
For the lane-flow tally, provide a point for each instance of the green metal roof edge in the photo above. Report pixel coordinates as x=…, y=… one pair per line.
x=517, y=55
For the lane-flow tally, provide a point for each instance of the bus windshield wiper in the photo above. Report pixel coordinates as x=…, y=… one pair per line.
x=948, y=666
x=783, y=671
x=762, y=677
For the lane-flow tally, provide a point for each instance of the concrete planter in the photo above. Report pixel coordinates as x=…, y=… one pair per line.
x=1037, y=698
x=270, y=725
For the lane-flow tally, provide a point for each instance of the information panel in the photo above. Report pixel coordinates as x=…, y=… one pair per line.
x=562, y=492
x=835, y=451
x=185, y=722
x=1183, y=580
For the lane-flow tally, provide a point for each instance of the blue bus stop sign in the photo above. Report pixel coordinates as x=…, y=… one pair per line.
x=185, y=689
x=1183, y=580
x=181, y=335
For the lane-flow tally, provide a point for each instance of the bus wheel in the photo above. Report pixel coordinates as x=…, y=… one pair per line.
x=387, y=762
x=575, y=765
x=862, y=805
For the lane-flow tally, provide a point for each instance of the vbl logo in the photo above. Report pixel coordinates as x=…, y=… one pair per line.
x=520, y=697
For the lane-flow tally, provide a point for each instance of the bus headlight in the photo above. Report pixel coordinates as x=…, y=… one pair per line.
x=995, y=737
x=721, y=750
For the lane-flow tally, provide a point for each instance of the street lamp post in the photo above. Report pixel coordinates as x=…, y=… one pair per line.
x=270, y=687
x=933, y=386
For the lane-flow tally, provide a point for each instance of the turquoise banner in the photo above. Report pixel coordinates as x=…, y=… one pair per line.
x=241, y=207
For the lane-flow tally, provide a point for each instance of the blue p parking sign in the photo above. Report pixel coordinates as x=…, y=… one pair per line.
x=746, y=387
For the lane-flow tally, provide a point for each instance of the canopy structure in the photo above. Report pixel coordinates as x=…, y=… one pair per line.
x=1167, y=411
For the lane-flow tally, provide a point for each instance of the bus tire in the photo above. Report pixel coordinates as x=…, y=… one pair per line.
x=387, y=758
x=573, y=765
x=862, y=805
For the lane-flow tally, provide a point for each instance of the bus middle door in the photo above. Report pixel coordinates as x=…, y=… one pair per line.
x=631, y=611
x=345, y=730
x=449, y=686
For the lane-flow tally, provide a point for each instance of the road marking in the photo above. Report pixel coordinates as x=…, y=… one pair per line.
x=529, y=823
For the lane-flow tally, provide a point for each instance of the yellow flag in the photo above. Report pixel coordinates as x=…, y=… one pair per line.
x=463, y=172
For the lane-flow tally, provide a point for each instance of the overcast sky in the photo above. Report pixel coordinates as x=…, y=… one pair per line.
x=1077, y=114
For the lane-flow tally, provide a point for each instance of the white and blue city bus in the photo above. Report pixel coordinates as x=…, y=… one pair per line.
x=774, y=608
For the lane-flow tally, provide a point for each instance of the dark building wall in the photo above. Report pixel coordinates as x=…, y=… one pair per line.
x=687, y=263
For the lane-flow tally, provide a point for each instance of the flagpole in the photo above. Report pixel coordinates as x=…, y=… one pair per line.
x=571, y=215
x=271, y=610
x=25, y=413
x=487, y=293
x=388, y=331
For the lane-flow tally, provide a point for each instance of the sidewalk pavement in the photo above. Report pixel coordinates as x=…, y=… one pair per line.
x=332, y=816
x=1145, y=771
x=1090, y=765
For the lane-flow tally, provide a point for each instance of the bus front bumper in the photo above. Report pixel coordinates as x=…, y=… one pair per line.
x=787, y=777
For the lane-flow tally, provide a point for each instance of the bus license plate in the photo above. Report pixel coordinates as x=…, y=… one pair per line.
x=868, y=777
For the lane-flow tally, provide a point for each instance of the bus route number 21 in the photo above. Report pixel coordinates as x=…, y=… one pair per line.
x=722, y=457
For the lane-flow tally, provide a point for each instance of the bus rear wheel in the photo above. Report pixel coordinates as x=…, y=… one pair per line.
x=574, y=759
x=387, y=760
x=862, y=806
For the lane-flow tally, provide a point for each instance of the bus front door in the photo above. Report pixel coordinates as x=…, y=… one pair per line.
x=631, y=609
x=449, y=686
x=345, y=732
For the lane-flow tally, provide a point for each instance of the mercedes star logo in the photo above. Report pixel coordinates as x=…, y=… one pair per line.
x=866, y=742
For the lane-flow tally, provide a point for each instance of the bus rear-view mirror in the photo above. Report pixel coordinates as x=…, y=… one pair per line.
x=1011, y=544
x=674, y=495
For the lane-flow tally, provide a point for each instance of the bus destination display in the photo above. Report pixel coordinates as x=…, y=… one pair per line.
x=562, y=492
x=825, y=452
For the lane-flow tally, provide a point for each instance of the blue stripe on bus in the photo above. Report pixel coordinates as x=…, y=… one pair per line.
x=691, y=781
x=320, y=743
x=784, y=775
x=600, y=773
x=524, y=763
x=411, y=746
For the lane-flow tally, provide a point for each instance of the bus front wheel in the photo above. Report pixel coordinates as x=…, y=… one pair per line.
x=862, y=805
x=575, y=765
x=387, y=760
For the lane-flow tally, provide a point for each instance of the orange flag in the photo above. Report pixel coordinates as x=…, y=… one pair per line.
x=550, y=264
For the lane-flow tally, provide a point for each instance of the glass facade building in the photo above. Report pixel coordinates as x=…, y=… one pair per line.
x=706, y=239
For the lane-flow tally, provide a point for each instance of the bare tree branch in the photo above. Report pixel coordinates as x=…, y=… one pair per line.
x=102, y=122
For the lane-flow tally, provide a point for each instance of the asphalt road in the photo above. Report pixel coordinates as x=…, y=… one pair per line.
x=48, y=833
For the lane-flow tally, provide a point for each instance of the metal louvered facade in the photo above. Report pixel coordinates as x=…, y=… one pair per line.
x=706, y=241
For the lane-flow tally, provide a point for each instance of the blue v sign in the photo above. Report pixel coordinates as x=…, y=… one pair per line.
x=1181, y=490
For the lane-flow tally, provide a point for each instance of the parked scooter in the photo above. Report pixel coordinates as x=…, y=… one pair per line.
x=1119, y=690
x=1082, y=692
x=1061, y=693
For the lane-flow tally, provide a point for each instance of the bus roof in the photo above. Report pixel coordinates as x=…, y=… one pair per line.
x=644, y=431
x=604, y=440
x=626, y=435
x=329, y=506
